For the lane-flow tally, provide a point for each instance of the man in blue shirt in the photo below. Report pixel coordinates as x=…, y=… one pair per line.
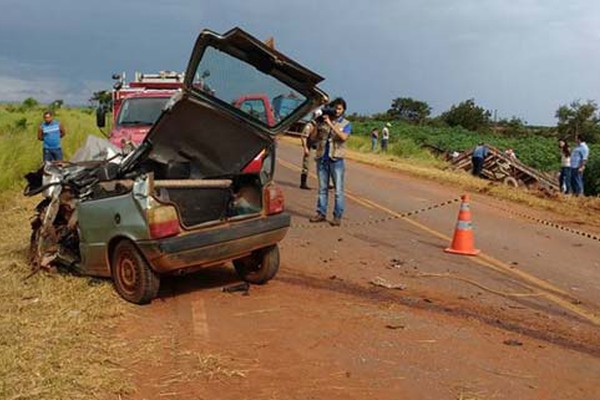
x=330, y=135
x=579, y=157
x=479, y=154
x=50, y=132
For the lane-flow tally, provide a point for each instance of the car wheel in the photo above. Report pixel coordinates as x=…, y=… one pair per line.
x=510, y=181
x=133, y=278
x=260, y=266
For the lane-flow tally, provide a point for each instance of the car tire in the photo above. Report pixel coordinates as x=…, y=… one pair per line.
x=133, y=278
x=260, y=266
x=510, y=181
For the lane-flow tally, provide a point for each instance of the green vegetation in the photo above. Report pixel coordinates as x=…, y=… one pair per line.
x=467, y=115
x=103, y=99
x=579, y=119
x=409, y=110
x=30, y=103
x=21, y=152
x=465, y=124
x=539, y=152
x=410, y=141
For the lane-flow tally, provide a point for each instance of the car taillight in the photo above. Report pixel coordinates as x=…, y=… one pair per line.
x=273, y=199
x=255, y=165
x=163, y=222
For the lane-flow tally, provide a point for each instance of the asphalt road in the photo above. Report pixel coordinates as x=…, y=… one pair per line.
x=377, y=309
x=529, y=252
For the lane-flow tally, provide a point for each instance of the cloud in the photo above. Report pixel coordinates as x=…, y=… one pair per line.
x=46, y=89
x=522, y=57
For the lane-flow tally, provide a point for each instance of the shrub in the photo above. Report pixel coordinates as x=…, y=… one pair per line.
x=21, y=123
x=30, y=102
x=591, y=176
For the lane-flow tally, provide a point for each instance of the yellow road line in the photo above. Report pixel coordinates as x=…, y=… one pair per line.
x=483, y=259
x=497, y=265
x=199, y=319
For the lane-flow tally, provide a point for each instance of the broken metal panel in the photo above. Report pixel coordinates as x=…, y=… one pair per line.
x=498, y=167
x=103, y=219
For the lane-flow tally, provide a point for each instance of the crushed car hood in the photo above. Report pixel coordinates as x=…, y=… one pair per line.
x=203, y=126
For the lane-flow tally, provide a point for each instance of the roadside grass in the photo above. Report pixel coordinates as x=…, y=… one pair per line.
x=58, y=335
x=578, y=210
x=57, y=338
x=402, y=148
x=21, y=152
x=206, y=366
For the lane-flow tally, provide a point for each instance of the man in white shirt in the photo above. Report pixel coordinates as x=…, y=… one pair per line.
x=385, y=137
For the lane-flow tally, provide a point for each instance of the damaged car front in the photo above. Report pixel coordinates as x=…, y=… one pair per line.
x=199, y=189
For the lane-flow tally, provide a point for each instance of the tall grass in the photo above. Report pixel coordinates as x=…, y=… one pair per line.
x=57, y=331
x=404, y=148
x=21, y=152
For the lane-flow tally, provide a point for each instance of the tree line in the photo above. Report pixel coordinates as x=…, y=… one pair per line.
x=574, y=119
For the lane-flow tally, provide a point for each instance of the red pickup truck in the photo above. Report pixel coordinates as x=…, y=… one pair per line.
x=269, y=111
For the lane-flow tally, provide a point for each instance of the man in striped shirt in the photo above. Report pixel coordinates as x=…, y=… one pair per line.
x=50, y=132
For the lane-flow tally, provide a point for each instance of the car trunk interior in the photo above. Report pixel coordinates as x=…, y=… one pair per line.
x=200, y=201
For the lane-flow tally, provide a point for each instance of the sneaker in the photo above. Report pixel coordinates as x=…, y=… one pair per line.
x=336, y=221
x=317, y=218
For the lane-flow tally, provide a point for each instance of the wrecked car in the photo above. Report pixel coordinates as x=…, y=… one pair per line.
x=198, y=191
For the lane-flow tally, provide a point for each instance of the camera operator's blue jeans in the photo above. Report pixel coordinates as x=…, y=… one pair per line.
x=325, y=168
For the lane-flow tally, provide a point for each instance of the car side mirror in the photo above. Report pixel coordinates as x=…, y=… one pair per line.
x=101, y=117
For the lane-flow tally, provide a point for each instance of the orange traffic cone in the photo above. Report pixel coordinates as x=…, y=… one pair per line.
x=463, y=242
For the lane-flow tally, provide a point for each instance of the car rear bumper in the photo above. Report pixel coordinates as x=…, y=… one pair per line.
x=217, y=245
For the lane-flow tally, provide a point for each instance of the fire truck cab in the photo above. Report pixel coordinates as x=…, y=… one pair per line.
x=138, y=104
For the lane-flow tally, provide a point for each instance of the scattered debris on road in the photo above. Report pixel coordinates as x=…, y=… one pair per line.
x=241, y=287
x=399, y=263
x=512, y=342
x=395, y=326
x=381, y=282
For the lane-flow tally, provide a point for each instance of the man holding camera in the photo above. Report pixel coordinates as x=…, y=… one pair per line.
x=332, y=131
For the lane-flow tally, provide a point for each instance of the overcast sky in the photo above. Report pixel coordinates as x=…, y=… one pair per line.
x=521, y=58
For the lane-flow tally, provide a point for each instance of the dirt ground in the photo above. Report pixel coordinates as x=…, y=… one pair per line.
x=519, y=322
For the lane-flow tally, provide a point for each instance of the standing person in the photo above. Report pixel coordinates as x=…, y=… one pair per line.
x=510, y=153
x=564, y=179
x=579, y=157
x=50, y=132
x=331, y=136
x=479, y=154
x=374, y=137
x=307, y=145
x=385, y=137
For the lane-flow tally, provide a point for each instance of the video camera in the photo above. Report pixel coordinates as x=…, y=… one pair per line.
x=327, y=109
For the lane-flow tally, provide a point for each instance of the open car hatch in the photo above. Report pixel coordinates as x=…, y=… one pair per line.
x=238, y=94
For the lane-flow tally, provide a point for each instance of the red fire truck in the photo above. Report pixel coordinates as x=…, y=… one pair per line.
x=138, y=104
